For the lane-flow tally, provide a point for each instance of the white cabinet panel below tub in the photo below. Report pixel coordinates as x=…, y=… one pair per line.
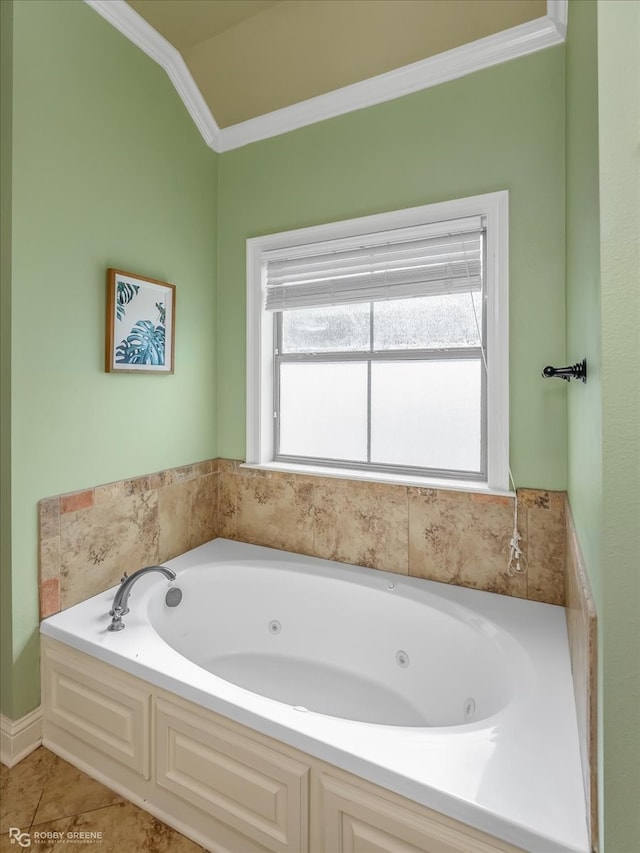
x=227, y=787
x=354, y=818
x=255, y=790
x=92, y=702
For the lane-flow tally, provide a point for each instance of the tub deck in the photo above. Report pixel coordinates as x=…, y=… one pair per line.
x=515, y=775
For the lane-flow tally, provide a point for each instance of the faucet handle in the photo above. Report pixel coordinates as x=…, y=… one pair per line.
x=116, y=623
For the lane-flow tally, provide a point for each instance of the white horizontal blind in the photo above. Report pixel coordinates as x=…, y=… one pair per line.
x=400, y=264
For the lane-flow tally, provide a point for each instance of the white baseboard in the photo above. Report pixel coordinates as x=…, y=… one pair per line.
x=20, y=737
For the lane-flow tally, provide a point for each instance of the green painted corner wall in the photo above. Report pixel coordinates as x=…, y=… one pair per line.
x=108, y=170
x=619, y=190
x=502, y=128
x=583, y=283
x=583, y=305
x=603, y=323
x=6, y=106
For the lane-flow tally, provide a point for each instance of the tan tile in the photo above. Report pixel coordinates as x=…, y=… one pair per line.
x=227, y=503
x=492, y=500
x=229, y=466
x=136, y=486
x=124, y=828
x=546, y=554
x=21, y=788
x=50, y=558
x=49, y=597
x=160, y=479
x=541, y=499
x=274, y=512
x=204, y=509
x=49, y=518
x=174, y=515
x=184, y=472
x=456, y=539
x=68, y=791
x=201, y=469
x=582, y=635
x=109, y=493
x=362, y=523
x=76, y=501
x=429, y=495
x=100, y=543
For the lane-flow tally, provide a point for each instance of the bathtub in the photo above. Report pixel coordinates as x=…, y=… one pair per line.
x=456, y=699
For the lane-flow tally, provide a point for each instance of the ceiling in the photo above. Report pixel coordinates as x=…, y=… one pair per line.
x=249, y=58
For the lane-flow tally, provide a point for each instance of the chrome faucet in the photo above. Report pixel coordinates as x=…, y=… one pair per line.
x=121, y=599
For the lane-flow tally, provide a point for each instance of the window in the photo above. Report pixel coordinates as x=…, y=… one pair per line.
x=380, y=345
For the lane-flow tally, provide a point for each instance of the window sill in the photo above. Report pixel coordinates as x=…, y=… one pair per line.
x=378, y=477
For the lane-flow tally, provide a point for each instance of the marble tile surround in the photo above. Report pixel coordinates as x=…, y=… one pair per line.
x=582, y=632
x=89, y=538
x=443, y=535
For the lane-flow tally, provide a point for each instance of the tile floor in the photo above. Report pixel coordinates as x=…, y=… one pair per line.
x=44, y=794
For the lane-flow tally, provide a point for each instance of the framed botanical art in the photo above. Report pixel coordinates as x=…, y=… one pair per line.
x=140, y=324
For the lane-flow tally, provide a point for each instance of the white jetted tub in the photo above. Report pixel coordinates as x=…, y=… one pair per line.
x=457, y=699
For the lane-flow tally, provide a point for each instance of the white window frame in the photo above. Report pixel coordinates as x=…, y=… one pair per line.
x=494, y=208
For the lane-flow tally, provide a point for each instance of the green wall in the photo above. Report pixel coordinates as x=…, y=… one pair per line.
x=603, y=323
x=502, y=128
x=619, y=146
x=583, y=284
x=583, y=305
x=108, y=170
x=6, y=101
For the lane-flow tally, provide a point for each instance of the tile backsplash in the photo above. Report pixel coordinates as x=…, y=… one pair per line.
x=583, y=645
x=89, y=538
x=443, y=535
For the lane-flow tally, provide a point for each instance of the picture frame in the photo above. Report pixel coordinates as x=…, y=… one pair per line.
x=140, y=328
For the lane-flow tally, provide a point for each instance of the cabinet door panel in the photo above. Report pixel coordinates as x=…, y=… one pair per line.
x=353, y=819
x=109, y=713
x=238, y=781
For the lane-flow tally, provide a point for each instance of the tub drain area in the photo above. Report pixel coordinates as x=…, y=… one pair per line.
x=317, y=687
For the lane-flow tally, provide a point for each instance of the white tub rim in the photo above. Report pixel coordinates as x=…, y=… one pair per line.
x=522, y=813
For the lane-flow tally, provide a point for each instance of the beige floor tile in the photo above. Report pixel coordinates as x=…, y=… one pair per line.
x=44, y=794
x=21, y=788
x=68, y=791
x=124, y=828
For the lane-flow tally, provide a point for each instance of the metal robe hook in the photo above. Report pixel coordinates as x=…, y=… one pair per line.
x=575, y=371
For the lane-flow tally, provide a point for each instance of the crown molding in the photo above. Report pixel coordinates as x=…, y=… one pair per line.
x=558, y=11
x=450, y=65
x=143, y=35
x=518, y=41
